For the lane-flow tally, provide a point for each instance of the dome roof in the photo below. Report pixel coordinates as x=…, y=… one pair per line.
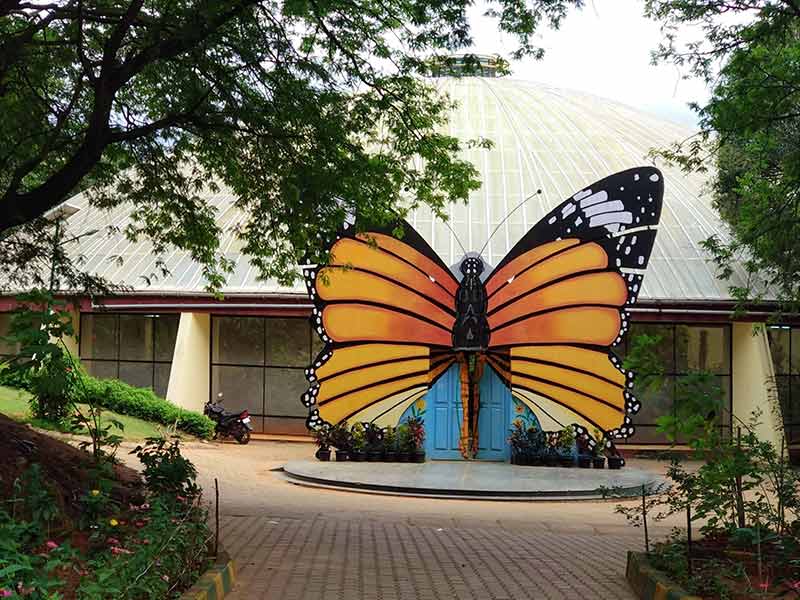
x=560, y=142
x=544, y=138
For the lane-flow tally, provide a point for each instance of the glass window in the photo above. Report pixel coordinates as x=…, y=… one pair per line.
x=268, y=352
x=242, y=387
x=288, y=342
x=99, y=336
x=784, y=344
x=139, y=374
x=238, y=340
x=283, y=390
x=101, y=369
x=684, y=349
x=135, y=348
x=702, y=349
x=136, y=337
x=166, y=333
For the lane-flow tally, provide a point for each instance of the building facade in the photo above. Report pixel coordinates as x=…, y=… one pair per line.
x=254, y=345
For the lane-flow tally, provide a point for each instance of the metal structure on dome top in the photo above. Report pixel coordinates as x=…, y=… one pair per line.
x=394, y=317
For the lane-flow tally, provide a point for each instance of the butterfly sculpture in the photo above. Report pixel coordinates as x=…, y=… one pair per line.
x=394, y=317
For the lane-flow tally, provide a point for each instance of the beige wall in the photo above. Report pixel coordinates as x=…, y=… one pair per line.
x=72, y=342
x=189, y=376
x=753, y=381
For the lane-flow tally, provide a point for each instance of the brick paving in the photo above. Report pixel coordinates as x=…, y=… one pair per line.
x=297, y=543
x=343, y=559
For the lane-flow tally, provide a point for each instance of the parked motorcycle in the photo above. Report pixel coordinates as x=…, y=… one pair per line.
x=228, y=424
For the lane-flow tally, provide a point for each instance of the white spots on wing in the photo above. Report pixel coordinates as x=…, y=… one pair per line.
x=613, y=228
x=633, y=240
x=597, y=198
x=551, y=220
x=641, y=260
x=627, y=250
x=604, y=207
x=619, y=262
x=568, y=210
x=654, y=177
x=578, y=222
x=636, y=177
x=582, y=195
x=611, y=217
x=621, y=188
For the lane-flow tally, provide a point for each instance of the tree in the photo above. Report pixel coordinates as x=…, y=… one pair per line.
x=749, y=54
x=307, y=110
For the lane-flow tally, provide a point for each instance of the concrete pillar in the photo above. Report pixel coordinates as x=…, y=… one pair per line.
x=190, y=374
x=754, y=381
x=71, y=342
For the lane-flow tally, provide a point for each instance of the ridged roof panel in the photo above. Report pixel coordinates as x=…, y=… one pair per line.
x=544, y=138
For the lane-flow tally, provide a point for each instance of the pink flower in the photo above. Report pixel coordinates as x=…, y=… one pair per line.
x=794, y=585
x=5, y=593
x=764, y=586
x=112, y=541
x=117, y=550
x=51, y=545
x=139, y=524
x=146, y=542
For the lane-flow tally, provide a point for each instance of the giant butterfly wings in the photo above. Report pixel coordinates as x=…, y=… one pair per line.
x=394, y=317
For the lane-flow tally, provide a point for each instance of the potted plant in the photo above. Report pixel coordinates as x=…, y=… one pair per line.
x=416, y=428
x=615, y=461
x=404, y=443
x=584, y=452
x=537, y=445
x=598, y=460
x=322, y=437
x=357, y=453
x=390, y=444
x=373, y=436
x=341, y=440
x=565, y=442
x=518, y=442
x=550, y=454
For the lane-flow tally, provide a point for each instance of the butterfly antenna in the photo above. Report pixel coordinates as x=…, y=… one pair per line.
x=446, y=224
x=513, y=210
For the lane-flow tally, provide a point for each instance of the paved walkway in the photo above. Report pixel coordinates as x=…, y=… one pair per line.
x=292, y=542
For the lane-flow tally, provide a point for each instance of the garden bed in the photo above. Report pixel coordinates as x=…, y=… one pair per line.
x=72, y=527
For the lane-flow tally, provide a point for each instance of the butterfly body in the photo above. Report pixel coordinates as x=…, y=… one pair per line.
x=394, y=318
x=471, y=330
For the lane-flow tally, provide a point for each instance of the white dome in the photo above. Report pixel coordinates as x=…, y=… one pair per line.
x=560, y=142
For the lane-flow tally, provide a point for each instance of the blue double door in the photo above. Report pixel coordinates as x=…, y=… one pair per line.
x=443, y=416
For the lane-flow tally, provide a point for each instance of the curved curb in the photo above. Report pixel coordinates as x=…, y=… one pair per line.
x=215, y=583
x=651, y=584
x=450, y=494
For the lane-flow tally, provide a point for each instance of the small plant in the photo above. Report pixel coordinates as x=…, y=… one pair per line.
x=323, y=437
x=340, y=437
x=358, y=436
x=390, y=439
x=518, y=439
x=405, y=442
x=373, y=437
x=416, y=430
x=166, y=471
x=565, y=440
x=599, y=448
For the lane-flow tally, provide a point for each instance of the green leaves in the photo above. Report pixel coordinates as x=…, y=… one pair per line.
x=749, y=54
x=306, y=111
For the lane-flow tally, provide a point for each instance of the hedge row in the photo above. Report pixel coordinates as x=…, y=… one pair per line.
x=129, y=400
x=143, y=403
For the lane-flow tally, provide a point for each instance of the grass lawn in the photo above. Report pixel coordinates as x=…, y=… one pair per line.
x=14, y=403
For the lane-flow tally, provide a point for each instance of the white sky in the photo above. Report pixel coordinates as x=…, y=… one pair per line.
x=603, y=49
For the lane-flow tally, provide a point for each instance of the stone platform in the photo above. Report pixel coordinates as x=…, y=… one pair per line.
x=473, y=480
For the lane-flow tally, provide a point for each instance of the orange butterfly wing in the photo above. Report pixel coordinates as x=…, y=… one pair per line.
x=558, y=302
x=384, y=308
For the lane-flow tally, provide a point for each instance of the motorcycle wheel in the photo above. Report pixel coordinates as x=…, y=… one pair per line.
x=243, y=436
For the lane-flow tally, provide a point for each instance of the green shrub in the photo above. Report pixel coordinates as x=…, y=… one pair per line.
x=143, y=403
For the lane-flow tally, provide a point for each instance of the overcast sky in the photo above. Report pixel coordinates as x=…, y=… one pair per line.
x=603, y=49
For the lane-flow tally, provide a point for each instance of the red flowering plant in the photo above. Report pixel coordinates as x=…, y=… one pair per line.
x=416, y=429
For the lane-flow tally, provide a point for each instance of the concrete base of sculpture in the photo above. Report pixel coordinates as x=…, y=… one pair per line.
x=478, y=480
